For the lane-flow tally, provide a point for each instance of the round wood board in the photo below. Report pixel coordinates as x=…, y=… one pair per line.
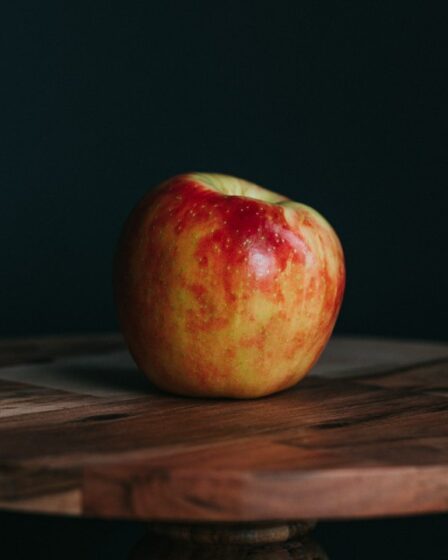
x=82, y=432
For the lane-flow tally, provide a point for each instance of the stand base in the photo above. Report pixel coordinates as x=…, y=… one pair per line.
x=287, y=541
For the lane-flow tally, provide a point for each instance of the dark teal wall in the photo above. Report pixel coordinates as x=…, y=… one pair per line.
x=340, y=106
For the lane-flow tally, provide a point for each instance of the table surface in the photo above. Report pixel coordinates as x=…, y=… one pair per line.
x=82, y=432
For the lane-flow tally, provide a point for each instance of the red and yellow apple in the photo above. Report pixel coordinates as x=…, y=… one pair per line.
x=224, y=288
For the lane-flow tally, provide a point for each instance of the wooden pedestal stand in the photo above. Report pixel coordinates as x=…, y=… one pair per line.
x=83, y=433
x=229, y=542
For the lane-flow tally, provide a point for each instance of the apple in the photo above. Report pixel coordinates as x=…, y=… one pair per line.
x=224, y=288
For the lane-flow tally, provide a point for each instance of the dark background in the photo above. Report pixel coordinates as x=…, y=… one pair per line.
x=341, y=105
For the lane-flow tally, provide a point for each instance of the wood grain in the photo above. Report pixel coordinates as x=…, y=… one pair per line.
x=83, y=433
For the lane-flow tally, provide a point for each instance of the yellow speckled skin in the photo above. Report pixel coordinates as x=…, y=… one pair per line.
x=225, y=289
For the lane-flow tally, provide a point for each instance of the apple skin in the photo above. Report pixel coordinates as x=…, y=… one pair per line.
x=226, y=289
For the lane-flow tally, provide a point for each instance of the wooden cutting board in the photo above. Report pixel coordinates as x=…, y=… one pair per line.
x=82, y=432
